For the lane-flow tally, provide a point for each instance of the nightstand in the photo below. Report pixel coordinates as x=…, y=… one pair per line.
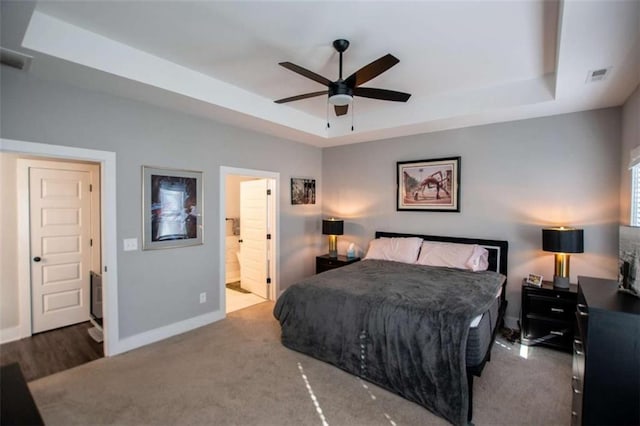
x=548, y=315
x=324, y=262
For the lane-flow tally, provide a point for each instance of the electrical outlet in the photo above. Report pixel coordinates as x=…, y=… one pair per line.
x=203, y=297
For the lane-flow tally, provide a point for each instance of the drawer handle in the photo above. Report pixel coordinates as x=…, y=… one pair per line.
x=580, y=308
x=556, y=333
x=578, y=352
x=576, y=391
x=557, y=310
x=574, y=414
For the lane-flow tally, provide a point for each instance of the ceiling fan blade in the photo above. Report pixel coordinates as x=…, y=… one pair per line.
x=299, y=97
x=385, y=95
x=306, y=73
x=341, y=109
x=372, y=70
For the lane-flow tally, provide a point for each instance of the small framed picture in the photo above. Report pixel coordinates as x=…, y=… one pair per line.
x=535, y=279
x=303, y=191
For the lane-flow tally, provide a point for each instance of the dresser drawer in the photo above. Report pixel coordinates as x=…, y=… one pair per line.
x=548, y=332
x=551, y=307
x=331, y=263
x=321, y=267
x=325, y=263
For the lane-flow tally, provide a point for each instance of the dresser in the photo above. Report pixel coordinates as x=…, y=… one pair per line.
x=548, y=315
x=606, y=355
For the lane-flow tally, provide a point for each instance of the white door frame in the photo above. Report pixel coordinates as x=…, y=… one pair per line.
x=275, y=264
x=109, y=252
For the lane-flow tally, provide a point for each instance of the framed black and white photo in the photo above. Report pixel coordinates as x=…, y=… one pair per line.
x=429, y=185
x=171, y=208
x=303, y=191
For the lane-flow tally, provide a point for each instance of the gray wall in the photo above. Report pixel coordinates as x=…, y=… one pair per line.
x=161, y=287
x=630, y=140
x=516, y=178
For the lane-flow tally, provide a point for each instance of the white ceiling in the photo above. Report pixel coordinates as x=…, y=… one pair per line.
x=464, y=62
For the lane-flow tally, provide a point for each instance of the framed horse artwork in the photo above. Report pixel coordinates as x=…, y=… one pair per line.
x=429, y=185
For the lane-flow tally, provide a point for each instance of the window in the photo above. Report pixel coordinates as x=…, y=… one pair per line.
x=635, y=195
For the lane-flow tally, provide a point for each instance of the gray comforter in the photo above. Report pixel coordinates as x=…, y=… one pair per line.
x=403, y=327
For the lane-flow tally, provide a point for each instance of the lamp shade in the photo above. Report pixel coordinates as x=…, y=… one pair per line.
x=563, y=240
x=332, y=227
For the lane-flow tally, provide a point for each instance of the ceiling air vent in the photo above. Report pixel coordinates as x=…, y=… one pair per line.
x=14, y=59
x=597, y=75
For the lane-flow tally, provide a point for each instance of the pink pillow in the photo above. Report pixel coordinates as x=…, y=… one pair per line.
x=453, y=255
x=397, y=249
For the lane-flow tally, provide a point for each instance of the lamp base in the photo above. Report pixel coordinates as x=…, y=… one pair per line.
x=333, y=246
x=560, y=282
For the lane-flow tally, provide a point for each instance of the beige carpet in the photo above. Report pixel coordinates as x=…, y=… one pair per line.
x=236, y=372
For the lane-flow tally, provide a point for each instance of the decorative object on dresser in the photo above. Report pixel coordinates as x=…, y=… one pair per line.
x=562, y=241
x=351, y=251
x=429, y=185
x=534, y=279
x=333, y=227
x=326, y=262
x=606, y=355
x=547, y=315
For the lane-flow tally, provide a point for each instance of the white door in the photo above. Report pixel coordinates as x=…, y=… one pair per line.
x=61, y=242
x=253, y=234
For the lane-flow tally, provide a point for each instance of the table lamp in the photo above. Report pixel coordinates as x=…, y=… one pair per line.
x=562, y=241
x=333, y=227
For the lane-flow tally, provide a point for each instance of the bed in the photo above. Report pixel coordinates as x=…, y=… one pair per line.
x=420, y=331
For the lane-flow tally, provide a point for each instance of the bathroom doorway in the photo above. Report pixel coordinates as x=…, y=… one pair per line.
x=250, y=238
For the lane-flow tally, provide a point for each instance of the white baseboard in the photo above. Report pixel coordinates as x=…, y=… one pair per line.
x=511, y=322
x=161, y=333
x=10, y=334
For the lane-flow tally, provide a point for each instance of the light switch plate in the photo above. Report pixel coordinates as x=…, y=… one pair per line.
x=130, y=244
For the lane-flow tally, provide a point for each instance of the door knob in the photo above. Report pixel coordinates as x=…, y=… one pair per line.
x=37, y=259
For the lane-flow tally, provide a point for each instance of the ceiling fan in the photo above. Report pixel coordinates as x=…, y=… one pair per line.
x=342, y=91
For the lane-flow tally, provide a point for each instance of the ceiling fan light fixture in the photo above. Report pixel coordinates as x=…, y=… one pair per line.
x=340, y=99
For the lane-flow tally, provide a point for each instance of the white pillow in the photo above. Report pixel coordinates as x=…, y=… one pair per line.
x=453, y=255
x=479, y=260
x=397, y=249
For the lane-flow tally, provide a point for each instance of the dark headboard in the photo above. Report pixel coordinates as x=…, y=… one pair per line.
x=497, y=249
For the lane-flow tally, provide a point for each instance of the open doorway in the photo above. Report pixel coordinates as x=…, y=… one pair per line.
x=249, y=229
x=58, y=216
x=18, y=326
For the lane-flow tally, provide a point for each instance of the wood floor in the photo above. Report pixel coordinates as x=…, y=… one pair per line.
x=50, y=352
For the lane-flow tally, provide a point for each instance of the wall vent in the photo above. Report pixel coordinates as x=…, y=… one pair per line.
x=14, y=59
x=597, y=75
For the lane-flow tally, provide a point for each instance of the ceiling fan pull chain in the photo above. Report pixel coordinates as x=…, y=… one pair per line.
x=353, y=112
x=328, y=125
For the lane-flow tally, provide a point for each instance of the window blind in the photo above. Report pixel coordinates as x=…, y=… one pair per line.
x=634, y=157
x=635, y=195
